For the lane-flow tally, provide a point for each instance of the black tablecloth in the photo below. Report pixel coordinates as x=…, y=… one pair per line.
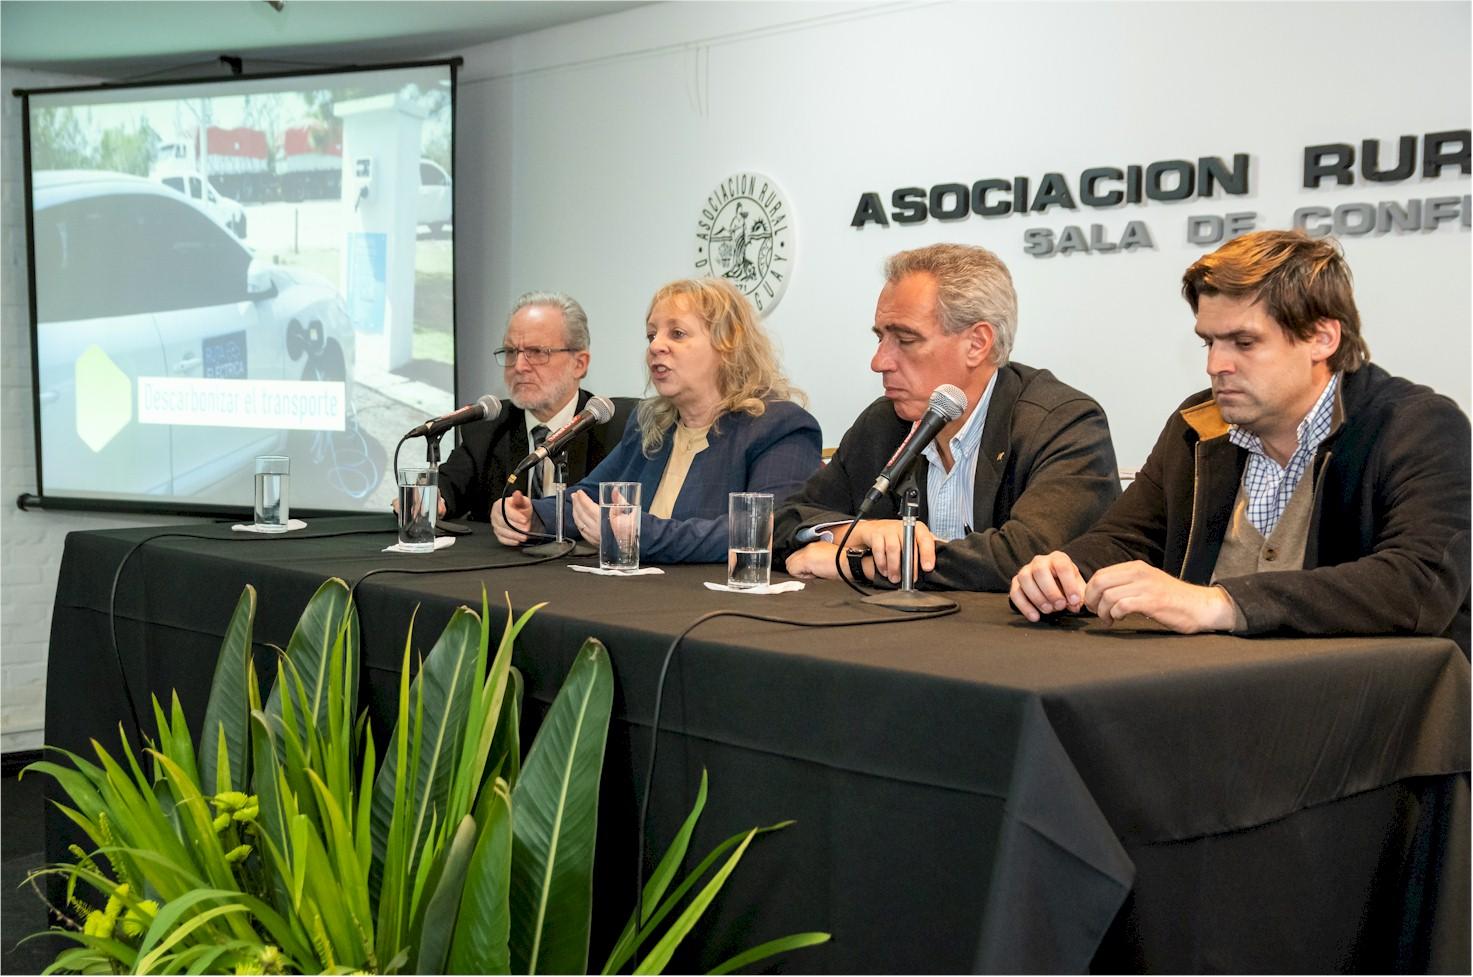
x=971, y=792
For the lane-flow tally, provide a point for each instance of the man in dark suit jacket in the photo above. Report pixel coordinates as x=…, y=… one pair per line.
x=1028, y=465
x=543, y=356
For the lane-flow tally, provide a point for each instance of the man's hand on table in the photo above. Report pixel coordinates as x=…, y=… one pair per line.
x=816, y=562
x=1051, y=583
x=882, y=539
x=511, y=519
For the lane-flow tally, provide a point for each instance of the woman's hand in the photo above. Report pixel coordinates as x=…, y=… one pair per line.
x=585, y=517
x=394, y=504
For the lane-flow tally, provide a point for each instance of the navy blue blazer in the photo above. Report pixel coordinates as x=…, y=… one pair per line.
x=775, y=452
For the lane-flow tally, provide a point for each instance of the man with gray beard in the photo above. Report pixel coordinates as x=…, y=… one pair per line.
x=543, y=355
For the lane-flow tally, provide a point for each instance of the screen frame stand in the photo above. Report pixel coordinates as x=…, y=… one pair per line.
x=907, y=598
x=559, y=544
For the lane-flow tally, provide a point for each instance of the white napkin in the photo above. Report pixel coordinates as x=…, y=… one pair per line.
x=786, y=587
x=614, y=573
x=250, y=527
x=440, y=543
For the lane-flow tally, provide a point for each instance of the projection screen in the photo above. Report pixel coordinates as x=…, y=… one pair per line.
x=229, y=269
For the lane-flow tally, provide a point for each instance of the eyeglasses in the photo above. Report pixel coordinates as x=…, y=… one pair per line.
x=534, y=355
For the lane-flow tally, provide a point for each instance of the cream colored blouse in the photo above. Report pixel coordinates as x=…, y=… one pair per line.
x=689, y=442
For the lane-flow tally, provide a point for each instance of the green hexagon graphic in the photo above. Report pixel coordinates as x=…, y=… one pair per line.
x=104, y=398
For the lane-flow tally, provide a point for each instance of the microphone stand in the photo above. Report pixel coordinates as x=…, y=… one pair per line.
x=432, y=458
x=559, y=545
x=907, y=598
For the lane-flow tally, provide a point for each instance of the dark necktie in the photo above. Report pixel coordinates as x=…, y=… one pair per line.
x=534, y=480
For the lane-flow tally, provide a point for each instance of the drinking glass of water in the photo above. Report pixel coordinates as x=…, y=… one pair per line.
x=419, y=504
x=618, y=525
x=272, y=507
x=749, y=546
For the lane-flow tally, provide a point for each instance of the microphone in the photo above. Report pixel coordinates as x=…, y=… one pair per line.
x=946, y=404
x=488, y=408
x=598, y=411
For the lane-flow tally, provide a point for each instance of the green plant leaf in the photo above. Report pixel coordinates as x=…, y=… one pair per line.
x=480, y=943
x=276, y=926
x=674, y=855
x=663, y=950
x=363, y=801
x=659, y=881
x=340, y=940
x=81, y=789
x=444, y=904
x=410, y=818
x=556, y=822
x=272, y=819
x=344, y=857
x=443, y=686
x=506, y=746
x=228, y=716
x=630, y=941
x=181, y=927
x=387, y=884
x=310, y=654
x=490, y=699
x=796, y=941
x=145, y=964
x=204, y=959
x=102, y=949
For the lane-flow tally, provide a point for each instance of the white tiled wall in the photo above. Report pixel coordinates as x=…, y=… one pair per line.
x=30, y=542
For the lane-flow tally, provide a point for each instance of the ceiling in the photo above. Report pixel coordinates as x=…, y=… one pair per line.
x=117, y=39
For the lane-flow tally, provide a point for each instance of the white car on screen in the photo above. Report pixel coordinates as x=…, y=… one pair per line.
x=135, y=280
x=200, y=190
x=434, y=196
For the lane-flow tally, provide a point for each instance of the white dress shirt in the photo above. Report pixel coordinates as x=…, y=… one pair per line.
x=553, y=423
x=949, y=493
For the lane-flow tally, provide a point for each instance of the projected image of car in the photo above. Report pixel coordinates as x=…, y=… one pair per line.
x=200, y=190
x=434, y=196
x=146, y=303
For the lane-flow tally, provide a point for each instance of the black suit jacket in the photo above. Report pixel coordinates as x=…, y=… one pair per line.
x=1046, y=472
x=474, y=474
x=1389, y=536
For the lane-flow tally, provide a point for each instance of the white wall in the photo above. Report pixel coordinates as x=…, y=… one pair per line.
x=585, y=153
x=30, y=542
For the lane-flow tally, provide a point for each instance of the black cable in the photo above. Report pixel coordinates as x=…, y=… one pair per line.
x=839, y=555
x=506, y=489
x=112, y=597
x=112, y=625
x=644, y=804
x=396, y=462
x=907, y=485
x=531, y=534
x=470, y=569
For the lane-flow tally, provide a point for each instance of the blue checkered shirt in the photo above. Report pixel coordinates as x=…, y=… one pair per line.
x=949, y=493
x=1268, y=486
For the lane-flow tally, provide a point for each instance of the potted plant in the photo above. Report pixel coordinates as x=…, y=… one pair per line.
x=284, y=844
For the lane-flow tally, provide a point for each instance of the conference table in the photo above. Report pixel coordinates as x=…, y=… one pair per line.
x=971, y=793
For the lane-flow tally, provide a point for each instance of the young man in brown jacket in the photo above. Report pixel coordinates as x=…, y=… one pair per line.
x=1307, y=491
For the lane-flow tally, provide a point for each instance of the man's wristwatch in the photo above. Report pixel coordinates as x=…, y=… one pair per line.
x=856, y=557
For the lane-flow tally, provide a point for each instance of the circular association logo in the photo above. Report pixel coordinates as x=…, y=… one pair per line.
x=745, y=235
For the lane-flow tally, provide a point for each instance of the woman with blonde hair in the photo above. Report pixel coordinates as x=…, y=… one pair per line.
x=722, y=419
